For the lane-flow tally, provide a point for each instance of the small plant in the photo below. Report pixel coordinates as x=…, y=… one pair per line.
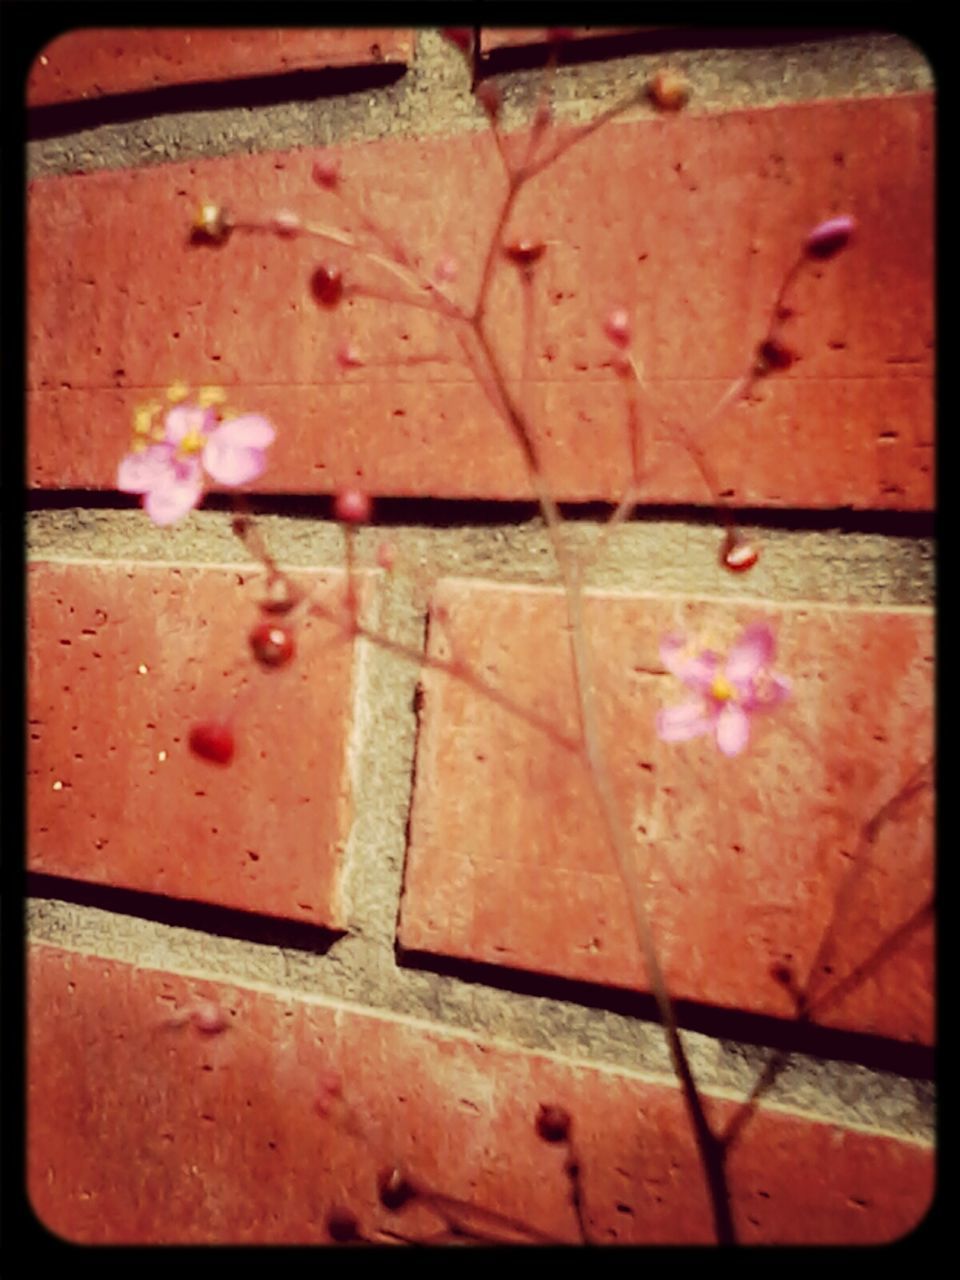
x=178, y=448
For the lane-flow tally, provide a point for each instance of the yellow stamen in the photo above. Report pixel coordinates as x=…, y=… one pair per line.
x=722, y=689
x=209, y=396
x=178, y=392
x=192, y=442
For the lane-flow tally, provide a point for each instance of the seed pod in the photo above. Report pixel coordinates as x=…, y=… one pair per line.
x=668, y=90
x=212, y=740
x=395, y=1191
x=525, y=252
x=830, y=237
x=326, y=173
x=352, y=506
x=272, y=644
x=342, y=1226
x=326, y=285
x=738, y=556
x=553, y=1123
x=773, y=356
x=211, y=226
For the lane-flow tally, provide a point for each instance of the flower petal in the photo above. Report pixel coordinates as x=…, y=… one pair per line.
x=677, y=724
x=142, y=471
x=751, y=653
x=732, y=729
x=178, y=493
x=187, y=419
x=697, y=672
x=230, y=466
x=250, y=432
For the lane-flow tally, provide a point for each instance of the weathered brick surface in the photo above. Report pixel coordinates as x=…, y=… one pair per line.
x=123, y=659
x=747, y=862
x=92, y=63
x=689, y=222
x=143, y=1130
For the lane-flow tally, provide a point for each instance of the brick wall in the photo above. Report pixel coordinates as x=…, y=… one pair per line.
x=392, y=929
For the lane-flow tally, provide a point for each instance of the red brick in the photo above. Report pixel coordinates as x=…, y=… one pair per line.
x=744, y=860
x=516, y=37
x=265, y=833
x=89, y=64
x=688, y=222
x=144, y=1132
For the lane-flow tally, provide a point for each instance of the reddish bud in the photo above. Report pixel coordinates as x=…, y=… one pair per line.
x=773, y=356
x=286, y=222
x=272, y=644
x=395, y=1190
x=557, y=35
x=446, y=269
x=211, y=225
x=348, y=356
x=326, y=173
x=617, y=326
x=830, y=237
x=352, y=506
x=553, y=1123
x=525, y=252
x=668, y=90
x=212, y=741
x=326, y=285
x=738, y=556
x=462, y=37
x=490, y=98
x=342, y=1226
x=209, y=1018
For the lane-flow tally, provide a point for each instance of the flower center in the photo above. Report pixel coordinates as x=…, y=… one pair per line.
x=192, y=442
x=722, y=689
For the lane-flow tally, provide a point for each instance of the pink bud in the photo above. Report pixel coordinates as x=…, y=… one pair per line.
x=352, y=506
x=348, y=356
x=830, y=237
x=446, y=269
x=617, y=326
x=209, y=1018
x=326, y=173
x=286, y=223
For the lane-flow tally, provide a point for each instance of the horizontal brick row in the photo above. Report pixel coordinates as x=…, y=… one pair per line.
x=792, y=863
x=143, y=1128
x=87, y=64
x=124, y=659
x=687, y=222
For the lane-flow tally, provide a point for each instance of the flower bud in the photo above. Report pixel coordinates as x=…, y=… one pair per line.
x=828, y=238
x=617, y=327
x=668, y=90
x=352, y=506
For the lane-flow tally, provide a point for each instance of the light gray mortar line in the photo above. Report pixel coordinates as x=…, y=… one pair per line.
x=818, y=565
x=844, y=1094
x=382, y=753
x=432, y=98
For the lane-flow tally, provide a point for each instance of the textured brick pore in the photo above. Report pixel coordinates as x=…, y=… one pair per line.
x=143, y=1129
x=124, y=660
x=804, y=864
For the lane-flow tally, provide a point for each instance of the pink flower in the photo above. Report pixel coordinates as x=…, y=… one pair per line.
x=728, y=693
x=193, y=442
